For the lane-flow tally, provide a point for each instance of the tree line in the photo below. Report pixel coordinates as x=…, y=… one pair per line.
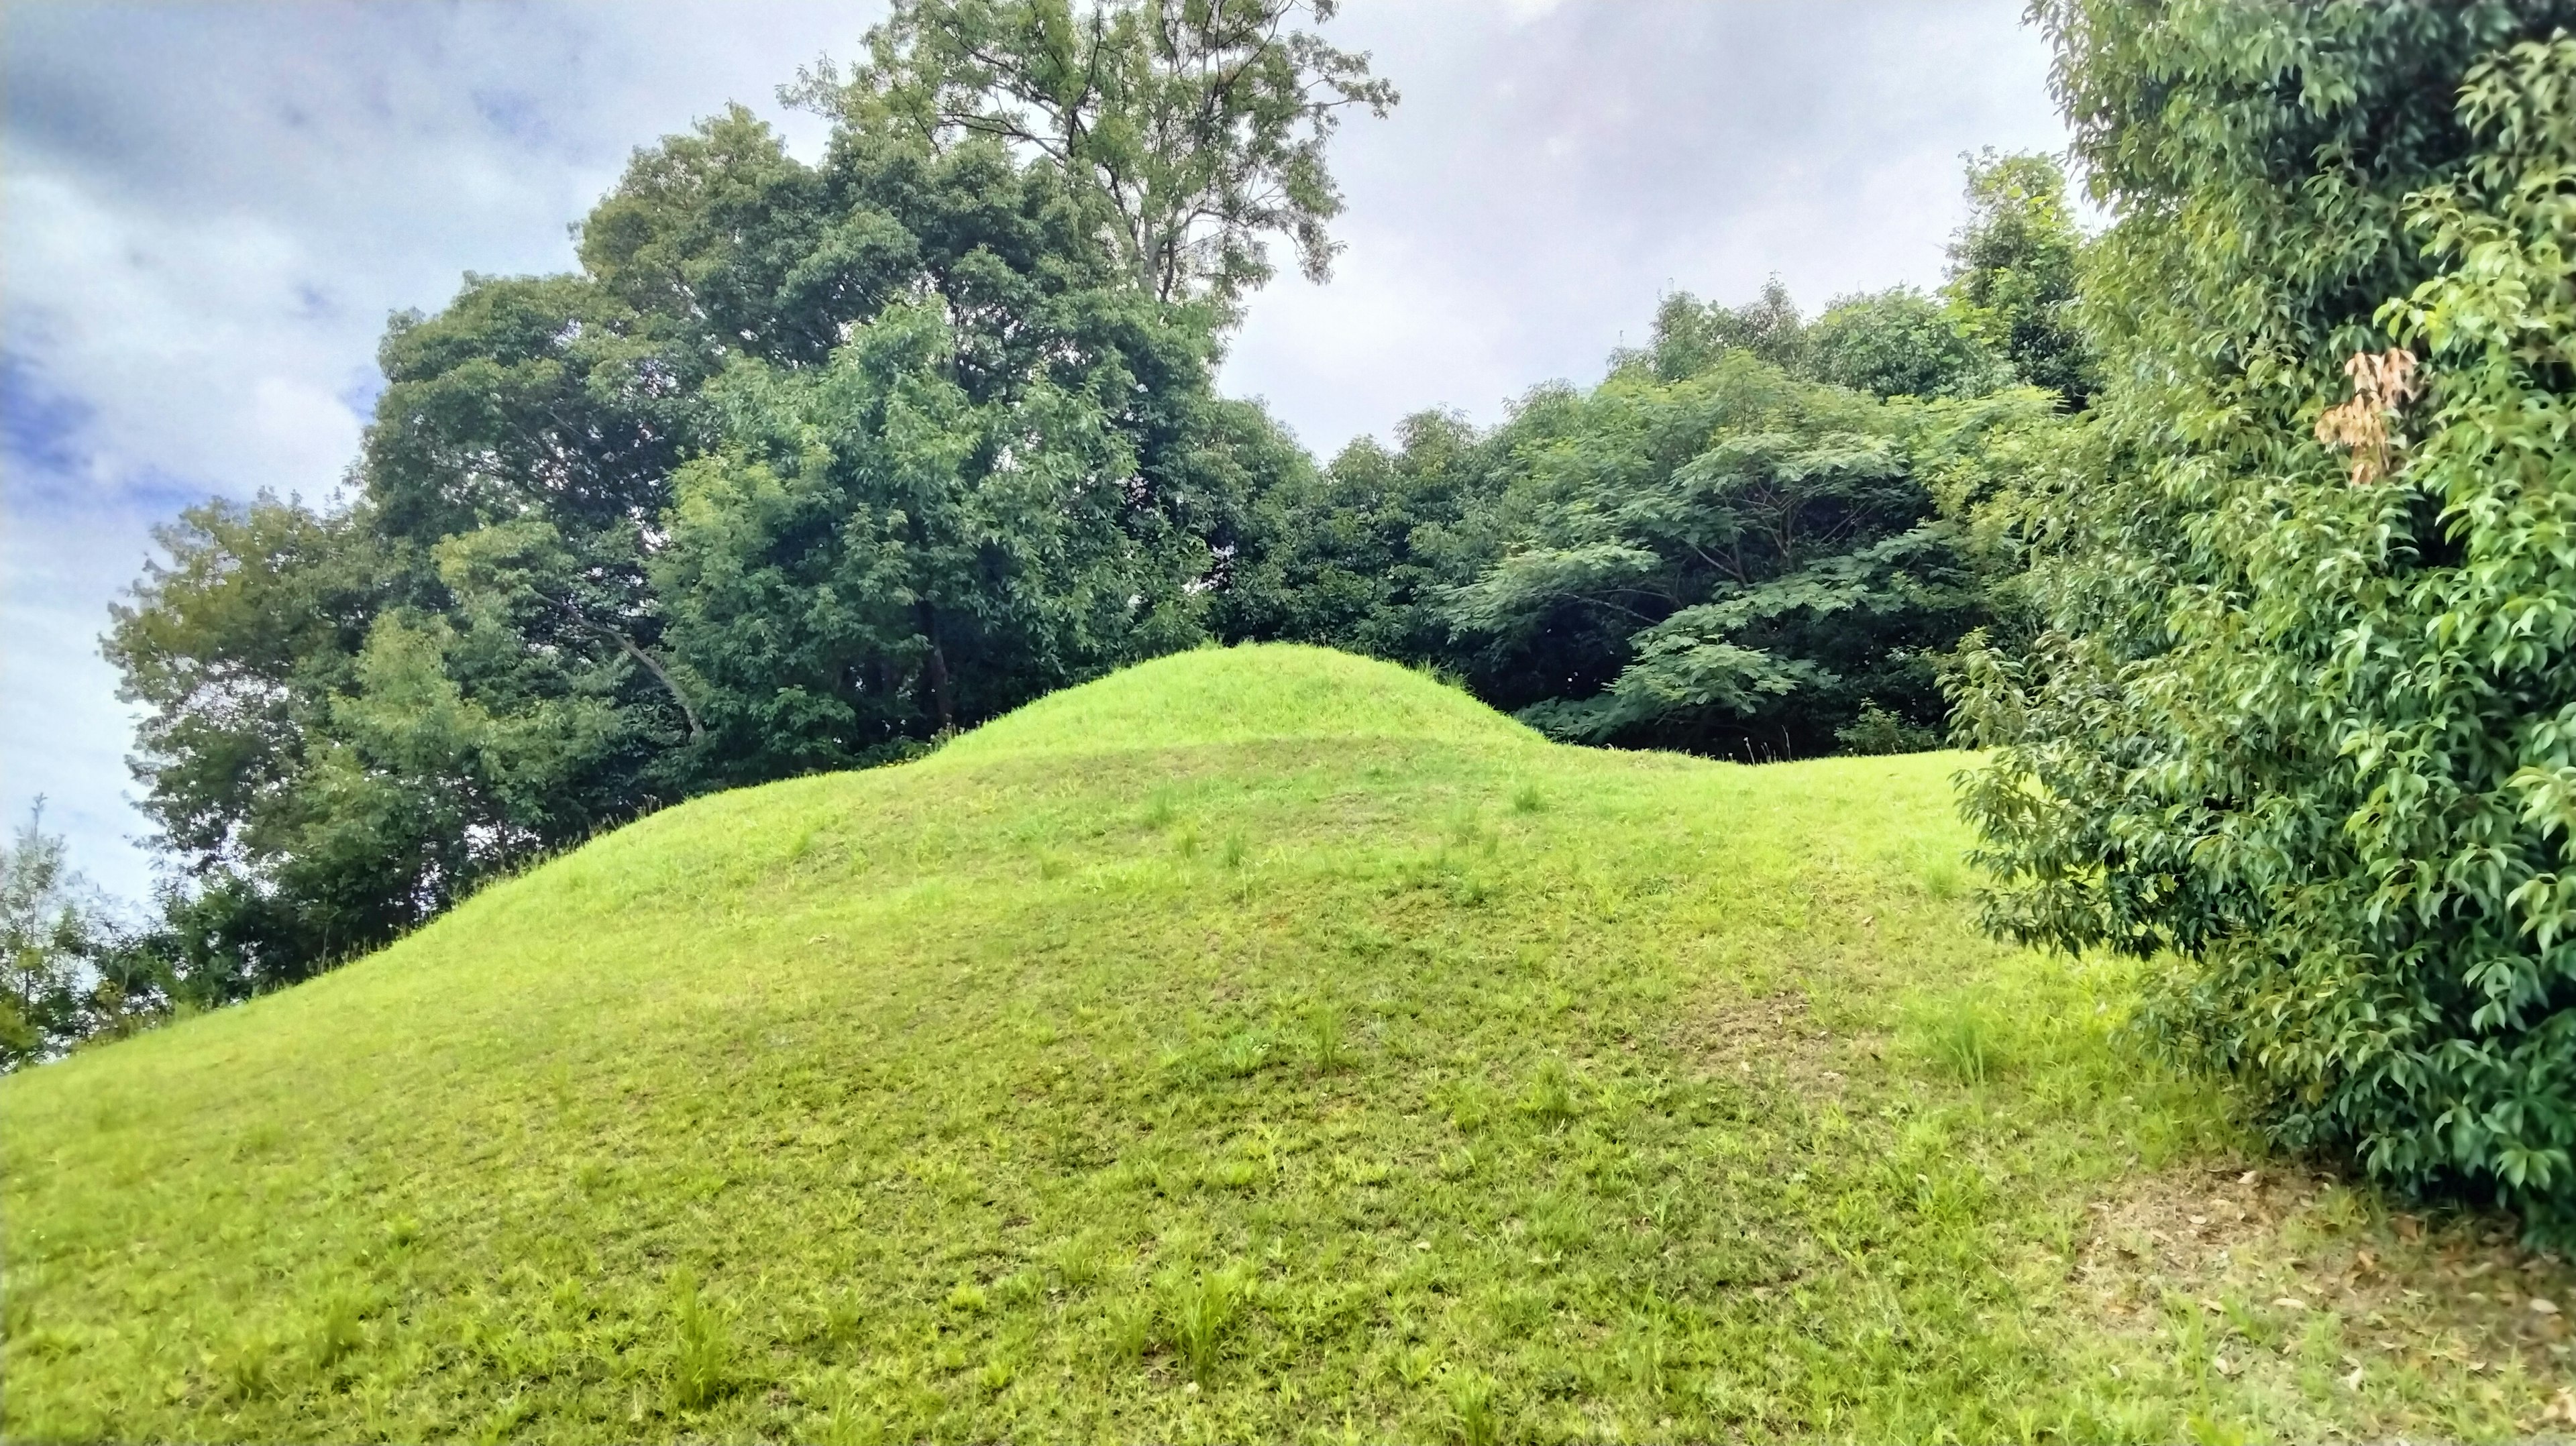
x=809, y=465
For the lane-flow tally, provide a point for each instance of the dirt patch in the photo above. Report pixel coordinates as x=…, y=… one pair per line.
x=1775, y=1039
x=2272, y=1259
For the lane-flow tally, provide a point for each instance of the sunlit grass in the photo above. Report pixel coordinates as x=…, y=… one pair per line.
x=1259, y=1044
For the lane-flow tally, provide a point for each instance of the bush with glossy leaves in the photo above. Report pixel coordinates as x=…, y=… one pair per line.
x=2299, y=717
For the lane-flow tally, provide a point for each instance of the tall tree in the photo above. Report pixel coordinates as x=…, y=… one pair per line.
x=1733, y=562
x=807, y=464
x=1360, y=554
x=1193, y=130
x=2014, y=273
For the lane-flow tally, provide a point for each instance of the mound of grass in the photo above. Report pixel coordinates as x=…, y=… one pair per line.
x=1255, y=1044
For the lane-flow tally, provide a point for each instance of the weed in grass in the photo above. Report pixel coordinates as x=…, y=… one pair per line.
x=339, y=1328
x=1324, y=1034
x=1200, y=1311
x=1964, y=1041
x=1236, y=849
x=249, y=1369
x=1417, y=1366
x=1128, y=1330
x=1079, y=1261
x=702, y=1358
x=1549, y=1097
x=1473, y=1413
x=1559, y=1227
x=1528, y=799
x=502, y=1424
x=1243, y=1053
x=968, y=1298
x=1160, y=809
x=1186, y=844
x=1053, y=865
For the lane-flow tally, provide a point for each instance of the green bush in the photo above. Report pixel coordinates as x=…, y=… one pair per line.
x=2297, y=711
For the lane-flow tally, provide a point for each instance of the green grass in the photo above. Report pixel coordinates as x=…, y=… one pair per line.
x=1257, y=1044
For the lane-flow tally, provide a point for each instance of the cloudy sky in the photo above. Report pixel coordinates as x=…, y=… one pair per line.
x=208, y=210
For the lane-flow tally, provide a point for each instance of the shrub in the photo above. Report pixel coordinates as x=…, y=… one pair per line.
x=2297, y=715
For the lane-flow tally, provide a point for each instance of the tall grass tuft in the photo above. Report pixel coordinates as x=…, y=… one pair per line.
x=1472, y=1413
x=1549, y=1099
x=702, y=1363
x=249, y=1369
x=1963, y=1040
x=1324, y=1032
x=1201, y=1312
x=339, y=1329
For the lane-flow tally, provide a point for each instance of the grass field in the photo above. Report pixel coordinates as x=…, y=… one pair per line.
x=1256, y=1044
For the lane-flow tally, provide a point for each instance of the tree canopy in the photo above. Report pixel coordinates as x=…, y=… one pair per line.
x=807, y=465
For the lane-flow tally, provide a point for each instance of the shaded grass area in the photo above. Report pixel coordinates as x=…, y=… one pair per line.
x=1391, y=1075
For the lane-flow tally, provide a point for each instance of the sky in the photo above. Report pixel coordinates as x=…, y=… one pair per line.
x=208, y=210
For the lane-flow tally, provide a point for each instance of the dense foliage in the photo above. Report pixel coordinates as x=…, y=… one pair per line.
x=1754, y=539
x=806, y=465
x=2299, y=715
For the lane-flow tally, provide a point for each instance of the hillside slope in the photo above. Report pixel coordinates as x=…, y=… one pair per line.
x=1262, y=1043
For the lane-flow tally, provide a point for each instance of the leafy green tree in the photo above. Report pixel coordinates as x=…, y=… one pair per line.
x=1900, y=342
x=1189, y=131
x=1690, y=335
x=1732, y=562
x=68, y=969
x=808, y=464
x=2015, y=270
x=876, y=557
x=2297, y=719
x=1360, y=554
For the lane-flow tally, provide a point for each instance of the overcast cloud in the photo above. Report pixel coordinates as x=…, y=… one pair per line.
x=207, y=211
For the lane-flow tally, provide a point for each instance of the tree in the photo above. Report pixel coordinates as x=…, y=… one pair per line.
x=1734, y=562
x=806, y=466
x=1192, y=130
x=2296, y=719
x=1358, y=555
x=2014, y=273
x=67, y=970
x=1900, y=342
x=1690, y=335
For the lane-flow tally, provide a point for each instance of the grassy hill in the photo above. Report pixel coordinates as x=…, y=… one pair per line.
x=1254, y=1044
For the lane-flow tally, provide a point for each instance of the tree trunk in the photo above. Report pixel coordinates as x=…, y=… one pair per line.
x=935, y=672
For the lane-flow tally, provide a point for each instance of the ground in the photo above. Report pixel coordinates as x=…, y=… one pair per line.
x=1256, y=1044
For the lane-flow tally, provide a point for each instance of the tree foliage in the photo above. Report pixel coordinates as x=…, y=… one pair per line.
x=1191, y=132
x=1719, y=548
x=69, y=969
x=2013, y=274
x=2300, y=727
x=805, y=466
